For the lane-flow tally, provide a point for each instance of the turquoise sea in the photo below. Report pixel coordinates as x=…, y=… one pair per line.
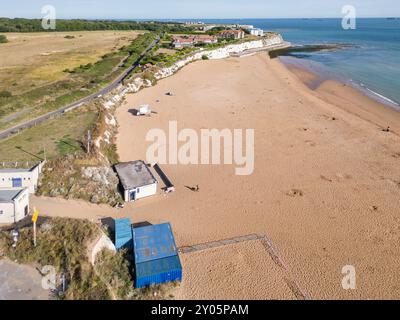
x=373, y=64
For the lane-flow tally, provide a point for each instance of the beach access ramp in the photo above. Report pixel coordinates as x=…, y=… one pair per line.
x=169, y=187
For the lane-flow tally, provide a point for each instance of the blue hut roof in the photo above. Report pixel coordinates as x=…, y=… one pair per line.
x=153, y=242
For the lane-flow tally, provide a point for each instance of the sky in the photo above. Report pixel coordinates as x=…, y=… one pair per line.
x=193, y=9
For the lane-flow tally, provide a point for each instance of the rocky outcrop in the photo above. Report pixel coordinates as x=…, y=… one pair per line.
x=67, y=178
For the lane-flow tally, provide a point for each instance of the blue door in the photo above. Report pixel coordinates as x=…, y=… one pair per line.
x=16, y=182
x=133, y=196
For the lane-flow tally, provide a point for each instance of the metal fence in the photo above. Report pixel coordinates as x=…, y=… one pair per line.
x=18, y=164
x=267, y=243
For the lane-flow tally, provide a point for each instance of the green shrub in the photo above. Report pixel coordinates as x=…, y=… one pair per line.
x=5, y=94
x=3, y=39
x=204, y=57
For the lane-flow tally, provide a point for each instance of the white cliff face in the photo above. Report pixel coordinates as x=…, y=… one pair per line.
x=221, y=53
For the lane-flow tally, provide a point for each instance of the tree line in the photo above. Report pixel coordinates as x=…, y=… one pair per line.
x=35, y=25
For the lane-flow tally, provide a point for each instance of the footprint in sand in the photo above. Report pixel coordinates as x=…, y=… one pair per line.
x=326, y=179
x=295, y=193
x=343, y=176
x=327, y=117
x=396, y=155
x=310, y=143
x=394, y=182
x=373, y=208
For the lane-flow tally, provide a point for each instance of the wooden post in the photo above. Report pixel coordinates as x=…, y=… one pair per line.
x=34, y=219
x=34, y=233
x=88, y=142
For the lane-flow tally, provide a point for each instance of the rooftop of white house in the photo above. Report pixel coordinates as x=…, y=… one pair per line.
x=16, y=170
x=134, y=174
x=9, y=195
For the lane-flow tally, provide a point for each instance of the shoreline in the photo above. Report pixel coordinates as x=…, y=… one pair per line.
x=346, y=96
x=321, y=76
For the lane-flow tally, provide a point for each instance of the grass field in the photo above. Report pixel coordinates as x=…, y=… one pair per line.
x=36, y=59
x=54, y=138
x=40, y=72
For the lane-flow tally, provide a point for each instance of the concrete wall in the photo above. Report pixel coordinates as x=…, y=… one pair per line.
x=14, y=211
x=142, y=192
x=6, y=212
x=103, y=243
x=21, y=202
x=147, y=191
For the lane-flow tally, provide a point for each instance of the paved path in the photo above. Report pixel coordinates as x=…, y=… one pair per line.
x=33, y=122
x=19, y=282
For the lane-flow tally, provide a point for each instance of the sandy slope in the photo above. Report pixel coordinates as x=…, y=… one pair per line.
x=345, y=170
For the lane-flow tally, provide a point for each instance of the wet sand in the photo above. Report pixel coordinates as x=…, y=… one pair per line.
x=325, y=190
x=350, y=99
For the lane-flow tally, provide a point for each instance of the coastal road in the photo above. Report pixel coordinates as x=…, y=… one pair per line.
x=33, y=122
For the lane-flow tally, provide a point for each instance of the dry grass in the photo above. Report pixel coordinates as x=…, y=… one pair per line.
x=43, y=85
x=53, y=138
x=166, y=51
x=36, y=59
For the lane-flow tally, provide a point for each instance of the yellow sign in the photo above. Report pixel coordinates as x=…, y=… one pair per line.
x=35, y=215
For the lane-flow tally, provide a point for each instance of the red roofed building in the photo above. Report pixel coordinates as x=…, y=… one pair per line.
x=180, y=42
x=232, y=34
x=183, y=41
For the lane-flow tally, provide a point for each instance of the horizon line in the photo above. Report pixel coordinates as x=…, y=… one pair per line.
x=153, y=19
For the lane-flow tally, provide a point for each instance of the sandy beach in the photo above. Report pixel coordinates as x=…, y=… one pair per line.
x=325, y=189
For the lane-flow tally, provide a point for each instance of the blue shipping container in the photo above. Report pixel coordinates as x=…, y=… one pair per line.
x=153, y=242
x=156, y=255
x=123, y=234
x=158, y=271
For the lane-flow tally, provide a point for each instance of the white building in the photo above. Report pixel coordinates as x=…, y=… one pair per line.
x=245, y=26
x=256, y=32
x=136, y=179
x=16, y=178
x=14, y=205
x=207, y=27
